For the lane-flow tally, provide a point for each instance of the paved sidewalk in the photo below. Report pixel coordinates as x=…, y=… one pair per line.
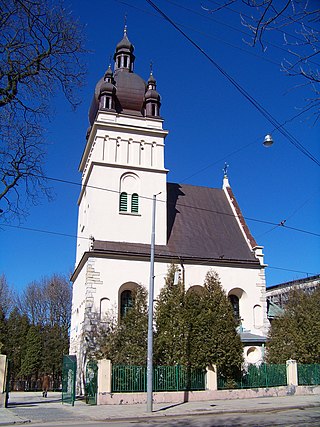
x=32, y=407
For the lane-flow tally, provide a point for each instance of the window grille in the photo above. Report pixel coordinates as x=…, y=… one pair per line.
x=123, y=202
x=135, y=203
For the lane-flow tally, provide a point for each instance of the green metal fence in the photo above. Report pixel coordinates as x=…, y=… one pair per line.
x=257, y=376
x=308, y=374
x=165, y=378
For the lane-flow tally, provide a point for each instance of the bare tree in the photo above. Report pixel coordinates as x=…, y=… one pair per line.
x=6, y=296
x=48, y=302
x=40, y=53
x=297, y=24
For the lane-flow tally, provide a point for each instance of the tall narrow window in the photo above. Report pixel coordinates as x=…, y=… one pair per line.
x=107, y=102
x=135, y=203
x=235, y=305
x=123, y=205
x=126, y=302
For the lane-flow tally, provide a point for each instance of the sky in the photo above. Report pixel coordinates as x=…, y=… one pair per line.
x=210, y=123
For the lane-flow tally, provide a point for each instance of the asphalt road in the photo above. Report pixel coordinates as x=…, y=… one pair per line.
x=289, y=418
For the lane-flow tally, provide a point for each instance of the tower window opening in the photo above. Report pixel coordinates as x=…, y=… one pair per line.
x=123, y=205
x=118, y=61
x=107, y=102
x=153, y=109
x=135, y=203
x=125, y=62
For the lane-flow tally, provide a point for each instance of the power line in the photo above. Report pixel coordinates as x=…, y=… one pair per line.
x=242, y=148
x=94, y=187
x=188, y=206
x=38, y=230
x=291, y=138
x=248, y=52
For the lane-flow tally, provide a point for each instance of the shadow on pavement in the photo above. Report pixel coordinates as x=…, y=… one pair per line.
x=31, y=402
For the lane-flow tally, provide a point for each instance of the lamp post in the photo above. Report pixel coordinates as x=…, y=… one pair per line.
x=150, y=311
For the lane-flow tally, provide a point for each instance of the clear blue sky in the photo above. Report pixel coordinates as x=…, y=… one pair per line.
x=210, y=123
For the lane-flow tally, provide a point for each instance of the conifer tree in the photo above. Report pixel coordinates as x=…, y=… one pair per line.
x=212, y=334
x=197, y=328
x=17, y=330
x=31, y=361
x=169, y=338
x=127, y=342
x=296, y=334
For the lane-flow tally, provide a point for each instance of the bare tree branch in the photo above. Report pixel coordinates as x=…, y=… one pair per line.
x=41, y=46
x=298, y=23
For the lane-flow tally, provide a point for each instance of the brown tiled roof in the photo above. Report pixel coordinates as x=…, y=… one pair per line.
x=201, y=226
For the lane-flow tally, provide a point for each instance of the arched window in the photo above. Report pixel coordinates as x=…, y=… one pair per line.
x=123, y=205
x=134, y=203
x=104, y=309
x=125, y=302
x=234, y=300
x=257, y=316
x=129, y=189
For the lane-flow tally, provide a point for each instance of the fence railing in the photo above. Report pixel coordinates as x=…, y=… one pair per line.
x=308, y=374
x=165, y=378
x=257, y=376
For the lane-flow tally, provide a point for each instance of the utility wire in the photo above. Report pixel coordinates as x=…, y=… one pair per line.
x=94, y=187
x=294, y=141
x=241, y=148
x=38, y=230
x=248, y=52
x=282, y=31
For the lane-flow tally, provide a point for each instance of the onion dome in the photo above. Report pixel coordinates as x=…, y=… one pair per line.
x=152, y=98
x=108, y=85
x=123, y=91
x=124, y=57
x=124, y=44
x=107, y=91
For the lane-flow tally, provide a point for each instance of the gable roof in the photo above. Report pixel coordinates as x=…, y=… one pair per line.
x=201, y=226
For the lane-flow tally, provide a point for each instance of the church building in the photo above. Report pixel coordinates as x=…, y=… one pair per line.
x=197, y=228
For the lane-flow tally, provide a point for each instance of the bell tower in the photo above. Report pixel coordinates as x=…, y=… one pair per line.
x=122, y=164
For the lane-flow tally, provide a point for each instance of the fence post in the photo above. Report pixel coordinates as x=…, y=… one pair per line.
x=3, y=380
x=104, y=378
x=211, y=378
x=292, y=372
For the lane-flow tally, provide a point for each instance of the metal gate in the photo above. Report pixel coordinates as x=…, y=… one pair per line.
x=69, y=371
x=91, y=382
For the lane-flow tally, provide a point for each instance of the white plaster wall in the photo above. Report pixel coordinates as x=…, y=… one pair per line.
x=114, y=273
x=99, y=212
x=120, y=144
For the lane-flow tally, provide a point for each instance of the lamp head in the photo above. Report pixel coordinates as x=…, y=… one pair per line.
x=268, y=141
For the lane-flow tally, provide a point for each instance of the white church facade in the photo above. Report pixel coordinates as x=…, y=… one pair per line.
x=197, y=228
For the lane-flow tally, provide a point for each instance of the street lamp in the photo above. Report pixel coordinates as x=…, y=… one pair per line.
x=268, y=141
x=150, y=310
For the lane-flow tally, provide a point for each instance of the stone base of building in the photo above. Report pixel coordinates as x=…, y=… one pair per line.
x=193, y=396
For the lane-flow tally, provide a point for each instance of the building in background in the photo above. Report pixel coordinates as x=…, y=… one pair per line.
x=277, y=295
x=198, y=228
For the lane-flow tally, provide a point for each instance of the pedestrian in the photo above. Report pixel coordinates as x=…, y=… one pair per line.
x=45, y=385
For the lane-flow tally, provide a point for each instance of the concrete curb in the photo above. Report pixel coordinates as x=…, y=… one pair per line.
x=158, y=415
